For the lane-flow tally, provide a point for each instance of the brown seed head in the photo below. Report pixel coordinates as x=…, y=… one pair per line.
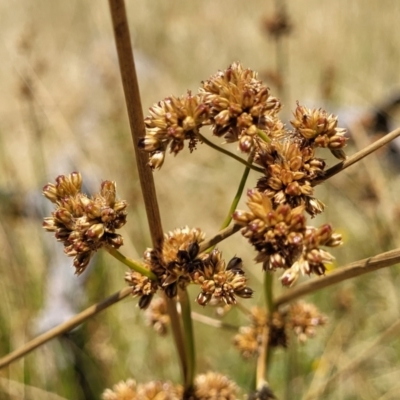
x=215, y=386
x=84, y=224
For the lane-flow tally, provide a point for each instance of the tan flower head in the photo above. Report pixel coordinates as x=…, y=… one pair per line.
x=240, y=105
x=215, y=386
x=220, y=282
x=320, y=129
x=157, y=316
x=84, y=224
x=154, y=390
x=141, y=286
x=124, y=390
x=313, y=259
x=283, y=240
x=304, y=318
x=170, y=123
x=289, y=171
x=177, y=260
x=277, y=234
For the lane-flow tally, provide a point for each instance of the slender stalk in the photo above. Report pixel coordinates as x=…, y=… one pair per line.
x=268, y=290
x=229, y=154
x=135, y=114
x=238, y=195
x=189, y=338
x=131, y=263
x=136, y=121
x=358, y=156
x=215, y=323
x=219, y=237
x=65, y=327
x=341, y=274
x=262, y=361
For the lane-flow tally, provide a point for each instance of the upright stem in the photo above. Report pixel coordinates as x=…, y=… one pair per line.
x=262, y=361
x=189, y=338
x=136, y=121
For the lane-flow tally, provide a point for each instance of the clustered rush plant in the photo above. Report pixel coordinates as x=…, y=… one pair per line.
x=236, y=106
x=239, y=108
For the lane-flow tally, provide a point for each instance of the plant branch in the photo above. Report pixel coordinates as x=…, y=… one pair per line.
x=204, y=319
x=219, y=237
x=229, y=154
x=358, y=156
x=189, y=338
x=135, y=114
x=65, y=327
x=341, y=274
x=238, y=195
x=136, y=121
x=131, y=263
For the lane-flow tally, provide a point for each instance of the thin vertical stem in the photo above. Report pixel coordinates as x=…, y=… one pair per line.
x=189, y=338
x=135, y=114
x=262, y=361
x=136, y=121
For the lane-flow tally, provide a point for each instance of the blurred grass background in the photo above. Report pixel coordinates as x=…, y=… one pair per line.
x=62, y=109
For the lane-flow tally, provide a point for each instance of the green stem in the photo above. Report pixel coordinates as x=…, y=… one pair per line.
x=131, y=263
x=268, y=281
x=238, y=195
x=262, y=361
x=228, y=153
x=189, y=338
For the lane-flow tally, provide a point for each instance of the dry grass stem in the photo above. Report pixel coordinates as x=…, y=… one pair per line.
x=358, y=156
x=135, y=113
x=65, y=327
x=341, y=274
x=215, y=323
x=219, y=237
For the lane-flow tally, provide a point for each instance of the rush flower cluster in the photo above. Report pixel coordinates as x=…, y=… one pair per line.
x=84, y=224
x=179, y=264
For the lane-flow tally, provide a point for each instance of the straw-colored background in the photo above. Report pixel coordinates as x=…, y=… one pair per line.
x=62, y=109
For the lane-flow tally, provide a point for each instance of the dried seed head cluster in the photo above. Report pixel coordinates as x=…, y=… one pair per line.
x=240, y=108
x=154, y=390
x=215, y=386
x=289, y=172
x=249, y=338
x=170, y=123
x=84, y=224
x=220, y=282
x=302, y=318
x=157, y=316
x=320, y=129
x=283, y=240
x=179, y=263
x=240, y=105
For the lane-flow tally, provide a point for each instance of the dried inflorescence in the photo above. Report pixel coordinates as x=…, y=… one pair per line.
x=215, y=386
x=320, y=129
x=240, y=108
x=157, y=316
x=289, y=172
x=178, y=263
x=171, y=122
x=283, y=240
x=302, y=318
x=81, y=223
x=154, y=390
